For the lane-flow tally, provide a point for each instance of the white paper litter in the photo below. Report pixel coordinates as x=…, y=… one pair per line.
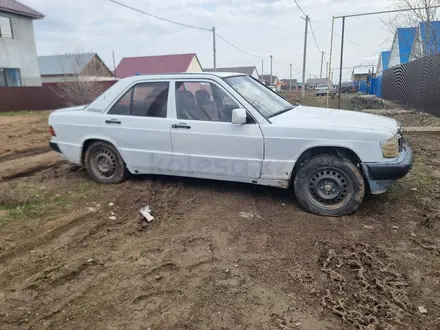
x=145, y=211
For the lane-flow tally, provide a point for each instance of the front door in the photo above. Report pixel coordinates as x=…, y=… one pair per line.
x=205, y=142
x=138, y=126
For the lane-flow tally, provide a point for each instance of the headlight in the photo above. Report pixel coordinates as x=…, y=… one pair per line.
x=390, y=148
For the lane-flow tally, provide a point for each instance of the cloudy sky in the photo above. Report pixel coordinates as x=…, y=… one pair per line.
x=260, y=27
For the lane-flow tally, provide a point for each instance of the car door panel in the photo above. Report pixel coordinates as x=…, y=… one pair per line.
x=216, y=148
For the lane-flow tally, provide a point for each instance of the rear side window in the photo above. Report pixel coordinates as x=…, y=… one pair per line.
x=143, y=100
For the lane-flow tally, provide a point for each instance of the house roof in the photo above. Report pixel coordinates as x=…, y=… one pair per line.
x=15, y=7
x=265, y=77
x=313, y=81
x=287, y=81
x=132, y=66
x=55, y=65
x=249, y=70
x=362, y=69
x=405, y=37
x=385, y=58
x=432, y=45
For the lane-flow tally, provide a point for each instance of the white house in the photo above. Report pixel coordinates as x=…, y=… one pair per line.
x=426, y=41
x=18, y=54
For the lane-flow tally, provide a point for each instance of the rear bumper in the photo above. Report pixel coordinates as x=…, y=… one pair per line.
x=381, y=175
x=54, y=147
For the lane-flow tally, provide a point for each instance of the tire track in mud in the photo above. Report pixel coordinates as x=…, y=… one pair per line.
x=24, y=153
x=63, y=224
x=364, y=288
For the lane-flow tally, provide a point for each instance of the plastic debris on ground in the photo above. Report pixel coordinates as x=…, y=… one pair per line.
x=145, y=211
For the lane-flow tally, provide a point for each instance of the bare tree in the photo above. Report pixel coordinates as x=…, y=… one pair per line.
x=82, y=80
x=430, y=41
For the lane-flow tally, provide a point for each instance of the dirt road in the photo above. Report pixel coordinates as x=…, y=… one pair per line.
x=217, y=256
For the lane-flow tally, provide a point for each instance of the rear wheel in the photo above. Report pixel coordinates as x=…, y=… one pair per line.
x=104, y=163
x=328, y=185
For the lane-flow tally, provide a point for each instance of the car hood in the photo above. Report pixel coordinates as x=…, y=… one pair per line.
x=335, y=118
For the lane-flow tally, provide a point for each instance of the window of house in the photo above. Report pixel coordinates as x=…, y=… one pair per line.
x=10, y=77
x=203, y=101
x=144, y=100
x=5, y=27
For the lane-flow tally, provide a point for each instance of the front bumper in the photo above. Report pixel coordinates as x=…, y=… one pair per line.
x=380, y=176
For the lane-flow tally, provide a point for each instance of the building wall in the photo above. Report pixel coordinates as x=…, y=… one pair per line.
x=20, y=52
x=194, y=66
x=96, y=68
x=395, y=54
x=255, y=74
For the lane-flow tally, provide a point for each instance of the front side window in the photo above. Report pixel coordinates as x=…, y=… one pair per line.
x=198, y=100
x=265, y=101
x=143, y=100
x=10, y=77
x=5, y=27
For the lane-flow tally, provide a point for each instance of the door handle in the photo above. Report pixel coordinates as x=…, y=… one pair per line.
x=112, y=121
x=181, y=125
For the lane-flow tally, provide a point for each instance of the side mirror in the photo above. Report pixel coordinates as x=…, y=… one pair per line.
x=239, y=116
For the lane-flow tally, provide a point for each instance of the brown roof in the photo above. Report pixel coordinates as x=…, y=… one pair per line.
x=15, y=7
x=131, y=66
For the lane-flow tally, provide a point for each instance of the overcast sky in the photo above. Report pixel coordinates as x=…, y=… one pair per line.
x=260, y=27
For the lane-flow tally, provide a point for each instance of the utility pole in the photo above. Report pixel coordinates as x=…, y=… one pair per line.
x=262, y=67
x=213, y=48
x=330, y=60
x=114, y=65
x=270, y=82
x=342, y=59
x=303, y=89
x=326, y=69
x=322, y=61
x=290, y=83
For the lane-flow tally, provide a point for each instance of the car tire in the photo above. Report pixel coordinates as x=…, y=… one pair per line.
x=329, y=185
x=104, y=163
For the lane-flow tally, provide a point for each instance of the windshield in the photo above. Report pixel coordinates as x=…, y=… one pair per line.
x=322, y=85
x=265, y=101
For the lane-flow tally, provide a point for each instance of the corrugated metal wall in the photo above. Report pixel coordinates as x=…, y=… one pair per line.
x=415, y=84
x=45, y=97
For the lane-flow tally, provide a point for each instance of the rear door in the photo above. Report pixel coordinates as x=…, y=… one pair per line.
x=205, y=142
x=138, y=125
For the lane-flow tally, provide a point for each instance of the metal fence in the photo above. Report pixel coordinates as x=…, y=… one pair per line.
x=46, y=97
x=415, y=84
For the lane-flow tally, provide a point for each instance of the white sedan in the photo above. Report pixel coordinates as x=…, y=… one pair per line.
x=228, y=126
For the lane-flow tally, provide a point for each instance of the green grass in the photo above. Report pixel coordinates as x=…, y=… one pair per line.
x=23, y=113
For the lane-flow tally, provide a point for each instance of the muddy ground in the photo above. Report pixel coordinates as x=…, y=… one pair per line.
x=74, y=254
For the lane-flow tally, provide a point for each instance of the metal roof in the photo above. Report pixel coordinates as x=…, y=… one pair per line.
x=312, y=81
x=131, y=66
x=431, y=45
x=385, y=58
x=405, y=37
x=15, y=7
x=249, y=70
x=54, y=65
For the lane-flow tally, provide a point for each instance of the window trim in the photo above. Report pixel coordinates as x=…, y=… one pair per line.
x=130, y=89
x=10, y=25
x=241, y=106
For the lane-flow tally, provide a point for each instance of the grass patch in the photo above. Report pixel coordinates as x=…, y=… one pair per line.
x=23, y=113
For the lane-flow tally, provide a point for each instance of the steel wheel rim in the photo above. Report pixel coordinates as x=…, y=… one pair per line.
x=104, y=163
x=328, y=187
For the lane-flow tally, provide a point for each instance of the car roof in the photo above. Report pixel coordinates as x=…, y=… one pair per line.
x=182, y=75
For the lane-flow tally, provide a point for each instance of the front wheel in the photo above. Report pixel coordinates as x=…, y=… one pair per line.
x=330, y=186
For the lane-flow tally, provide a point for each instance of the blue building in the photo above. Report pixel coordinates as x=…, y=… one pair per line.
x=426, y=41
x=402, y=45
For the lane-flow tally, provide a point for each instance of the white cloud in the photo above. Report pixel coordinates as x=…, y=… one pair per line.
x=261, y=27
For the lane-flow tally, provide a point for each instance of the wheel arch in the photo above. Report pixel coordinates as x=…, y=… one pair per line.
x=89, y=141
x=342, y=152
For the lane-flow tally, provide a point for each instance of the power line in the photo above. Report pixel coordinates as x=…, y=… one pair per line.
x=241, y=50
x=313, y=34
x=194, y=41
x=351, y=41
x=157, y=17
x=300, y=8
